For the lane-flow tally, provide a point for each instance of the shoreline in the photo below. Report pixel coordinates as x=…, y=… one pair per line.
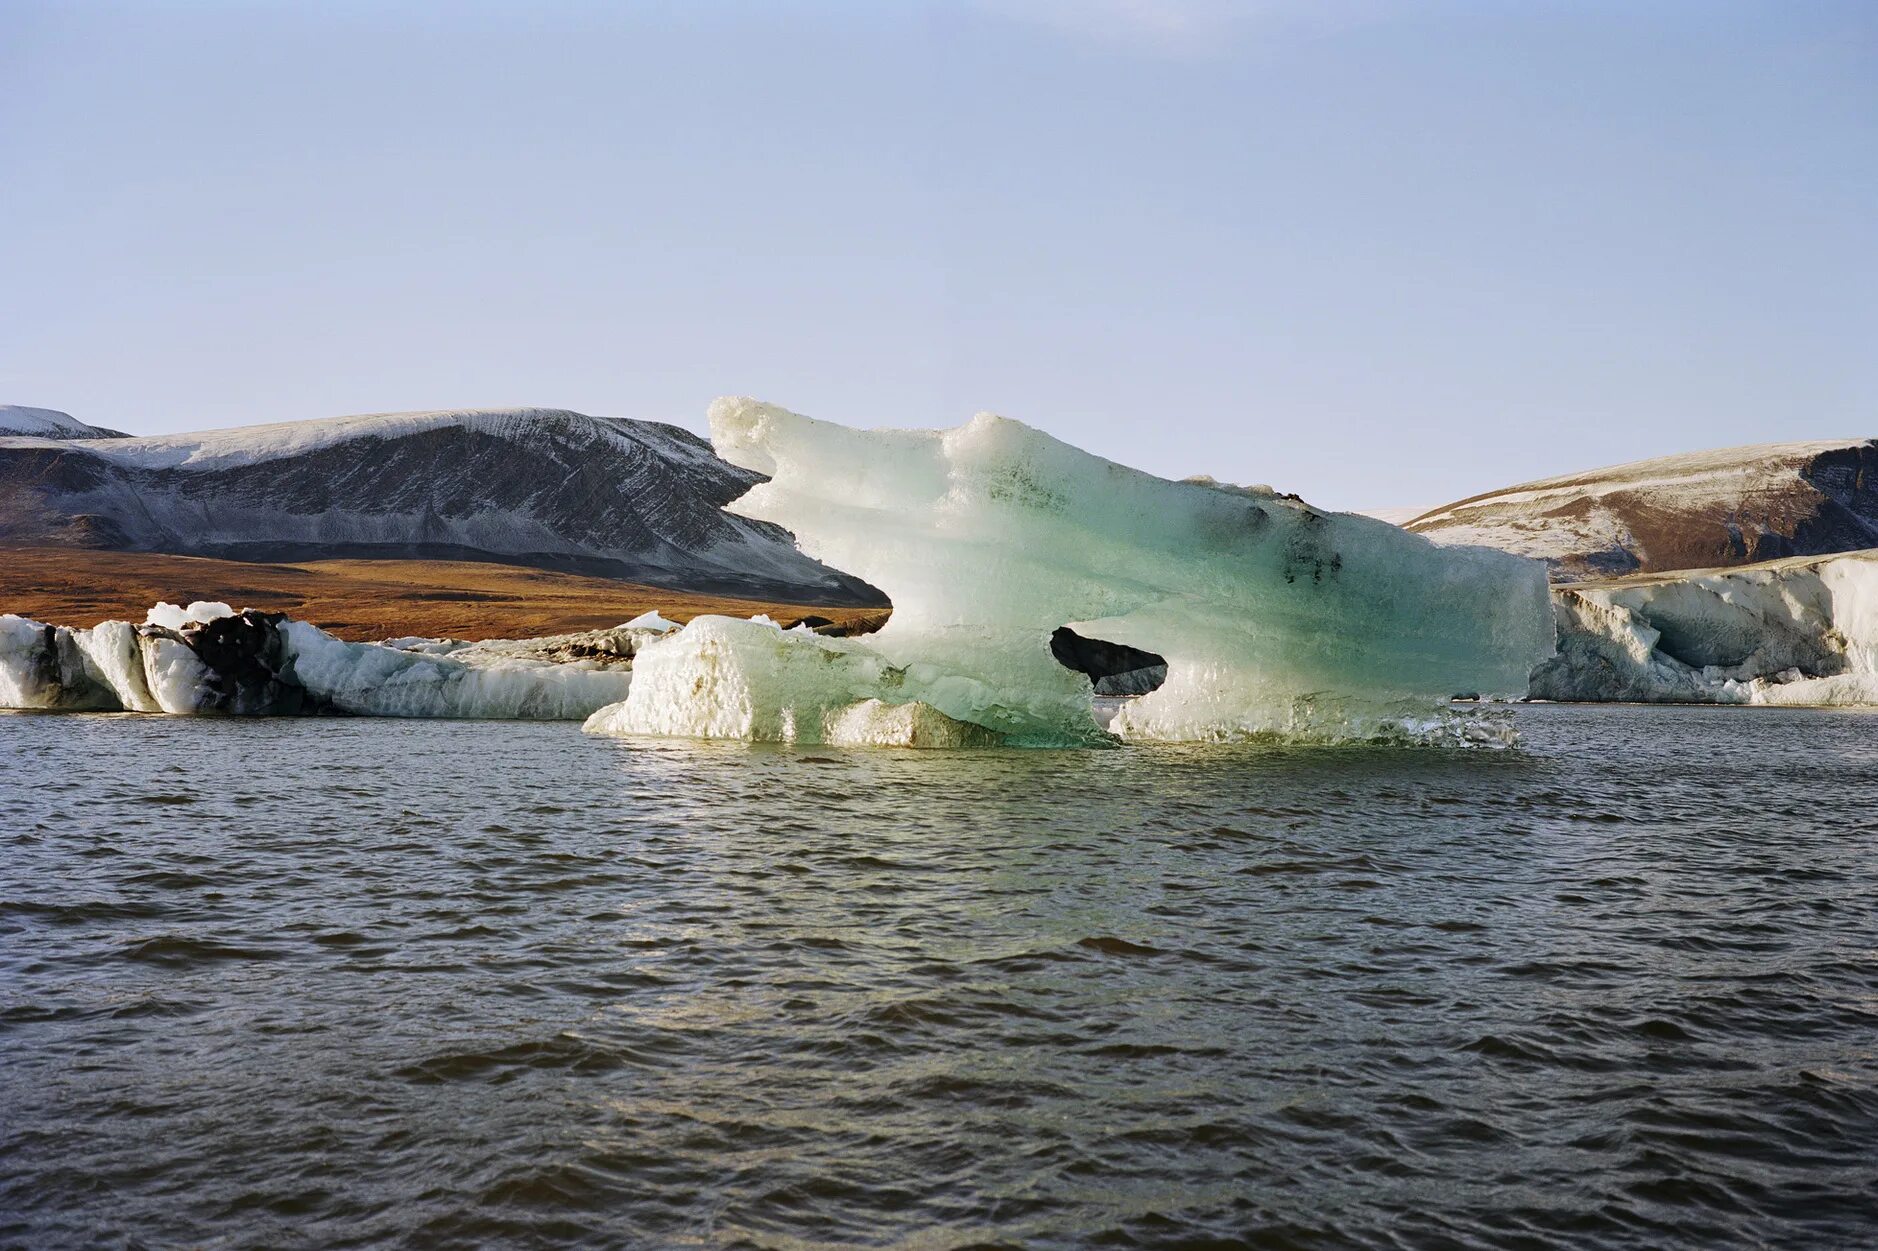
x=365, y=600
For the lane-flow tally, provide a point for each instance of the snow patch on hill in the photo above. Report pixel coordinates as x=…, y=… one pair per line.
x=252, y=445
x=1394, y=516
x=17, y=420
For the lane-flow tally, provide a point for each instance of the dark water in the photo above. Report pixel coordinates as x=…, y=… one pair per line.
x=370, y=983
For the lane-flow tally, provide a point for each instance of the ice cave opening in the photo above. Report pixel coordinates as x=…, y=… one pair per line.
x=1115, y=668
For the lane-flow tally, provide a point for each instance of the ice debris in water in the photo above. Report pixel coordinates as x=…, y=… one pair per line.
x=263, y=664
x=1275, y=618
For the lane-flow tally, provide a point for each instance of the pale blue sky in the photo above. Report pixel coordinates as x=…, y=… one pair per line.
x=1377, y=253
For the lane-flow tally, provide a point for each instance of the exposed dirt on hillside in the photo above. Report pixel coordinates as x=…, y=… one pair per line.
x=361, y=599
x=1723, y=508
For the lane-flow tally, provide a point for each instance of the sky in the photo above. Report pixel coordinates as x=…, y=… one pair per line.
x=1380, y=254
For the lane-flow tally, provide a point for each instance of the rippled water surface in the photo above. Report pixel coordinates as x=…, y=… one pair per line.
x=375, y=983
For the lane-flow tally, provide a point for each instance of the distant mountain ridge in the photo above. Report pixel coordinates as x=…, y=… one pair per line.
x=532, y=486
x=1729, y=506
x=49, y=423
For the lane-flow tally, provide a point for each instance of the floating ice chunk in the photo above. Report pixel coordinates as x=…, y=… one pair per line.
x=261, y=664
x=722, y=677
x=177, y=678
x=30, y=669
x=56, y=668
x=1797, y=631
x=650, y=620
x=370, y=680
x=114, y=663
x=590, y=649
x=1274, y=617
x=425, y=645
x=170, y=617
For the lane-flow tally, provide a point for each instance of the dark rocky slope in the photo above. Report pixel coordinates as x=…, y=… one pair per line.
x=1727, y=507
x=542, y=487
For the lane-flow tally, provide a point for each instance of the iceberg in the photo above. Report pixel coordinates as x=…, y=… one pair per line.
x=1273, y=618
x=208, y=658
x=1803, y=630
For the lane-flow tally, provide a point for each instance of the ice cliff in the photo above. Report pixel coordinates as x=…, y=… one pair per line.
x=207, y=658
x=1274, y=618
x=1797, y=631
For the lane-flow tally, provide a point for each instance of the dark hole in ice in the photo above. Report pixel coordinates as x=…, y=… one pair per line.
x=1115, y=668
x=1725, y=642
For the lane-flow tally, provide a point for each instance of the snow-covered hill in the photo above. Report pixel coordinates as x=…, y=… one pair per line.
x=1394, y=516
x=49, y=423
x=1699, y=510
x=532, y=486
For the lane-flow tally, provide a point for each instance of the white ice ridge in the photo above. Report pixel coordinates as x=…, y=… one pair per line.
x=1797, y=631
x=1275, y=618
x=174, y=617
x=208, y=659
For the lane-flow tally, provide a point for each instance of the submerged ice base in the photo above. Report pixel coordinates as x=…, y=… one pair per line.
x=722, y=677
x=1275, y=618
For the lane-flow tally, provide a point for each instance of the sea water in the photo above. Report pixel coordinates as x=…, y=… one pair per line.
x=312, y=983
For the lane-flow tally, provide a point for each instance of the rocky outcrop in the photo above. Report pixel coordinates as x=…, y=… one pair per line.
x=1715, y=509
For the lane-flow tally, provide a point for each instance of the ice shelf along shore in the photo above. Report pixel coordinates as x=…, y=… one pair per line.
x=1798, y=631
x=208, y=658
x=1274, y=618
